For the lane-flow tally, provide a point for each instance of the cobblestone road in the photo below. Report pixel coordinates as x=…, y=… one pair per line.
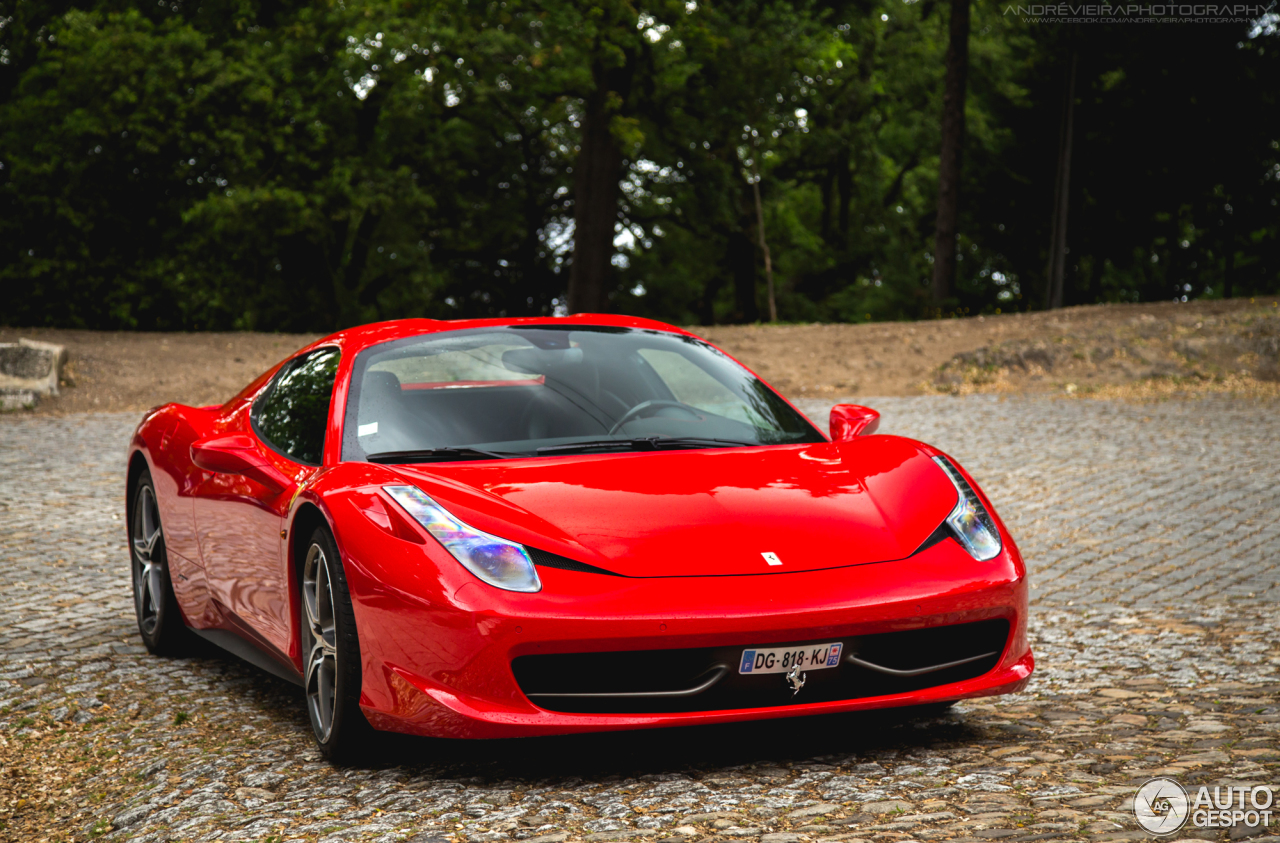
x=1150, y=532
x=1145, y=505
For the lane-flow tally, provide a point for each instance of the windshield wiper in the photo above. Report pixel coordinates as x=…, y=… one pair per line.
x=643, y=443
x=661, y=442
x=453, y=452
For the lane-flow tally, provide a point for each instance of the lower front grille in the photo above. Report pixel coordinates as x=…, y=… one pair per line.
x=707, y=679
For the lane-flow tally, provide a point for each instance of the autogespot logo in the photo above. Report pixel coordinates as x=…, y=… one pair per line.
x=1161, y=806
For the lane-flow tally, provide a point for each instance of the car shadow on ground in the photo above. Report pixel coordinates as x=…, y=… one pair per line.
x=600, y=755
x=706, y=749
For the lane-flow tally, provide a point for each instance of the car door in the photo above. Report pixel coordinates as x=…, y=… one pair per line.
x=239, y=520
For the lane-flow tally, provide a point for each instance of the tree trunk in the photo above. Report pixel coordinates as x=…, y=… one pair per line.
x=597, y=172
x=944, y=250
x=764, y=243
x=895, y=189
x=707, y=302
x=827, y=188
x=846, y=197
x=1053, y=295
x=1229, y=270
x=740, y=257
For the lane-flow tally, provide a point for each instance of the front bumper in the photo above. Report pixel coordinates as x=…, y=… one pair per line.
x=438, y=649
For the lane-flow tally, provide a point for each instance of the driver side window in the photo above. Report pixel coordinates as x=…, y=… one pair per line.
x=293, y=415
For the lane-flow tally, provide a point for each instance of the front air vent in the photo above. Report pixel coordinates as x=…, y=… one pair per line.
x=544, y=559
x=707, y=679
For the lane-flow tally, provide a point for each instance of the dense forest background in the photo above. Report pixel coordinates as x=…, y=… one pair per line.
x=278, y=165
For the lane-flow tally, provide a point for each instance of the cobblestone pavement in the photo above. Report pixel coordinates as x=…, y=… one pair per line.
x=1149, y=531
x=1147, y=505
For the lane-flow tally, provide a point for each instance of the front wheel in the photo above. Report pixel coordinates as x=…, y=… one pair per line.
x=331, y=651
x=160, y=620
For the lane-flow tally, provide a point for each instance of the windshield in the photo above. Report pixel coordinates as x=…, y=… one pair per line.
x=544, y=390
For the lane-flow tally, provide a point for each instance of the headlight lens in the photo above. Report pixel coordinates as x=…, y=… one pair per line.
x=970, y=522
x=498, y=562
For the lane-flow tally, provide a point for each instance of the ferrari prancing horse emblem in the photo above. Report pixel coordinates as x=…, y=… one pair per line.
x=771, y=559
x=796, y=679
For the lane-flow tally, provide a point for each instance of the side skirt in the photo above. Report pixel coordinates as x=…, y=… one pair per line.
x=237, y=646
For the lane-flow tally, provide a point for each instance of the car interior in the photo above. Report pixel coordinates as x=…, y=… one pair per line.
x=528, y=397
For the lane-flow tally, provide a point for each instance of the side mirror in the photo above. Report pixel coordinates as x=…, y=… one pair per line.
x=849, y=421
x=239, y=455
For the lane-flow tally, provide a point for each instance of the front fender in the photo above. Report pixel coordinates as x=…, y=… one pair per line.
x=386, y=558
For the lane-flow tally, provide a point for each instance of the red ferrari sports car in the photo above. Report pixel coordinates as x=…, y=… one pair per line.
x=493, y=528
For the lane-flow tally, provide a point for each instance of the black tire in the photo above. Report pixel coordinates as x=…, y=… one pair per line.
x=331, y=653
x=160, y=621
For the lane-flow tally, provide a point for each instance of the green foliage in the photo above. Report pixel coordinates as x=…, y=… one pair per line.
x=247, y=164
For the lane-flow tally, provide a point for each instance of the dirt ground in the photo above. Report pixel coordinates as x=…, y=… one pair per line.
x=1136, y=350
x=109, y=371
x=1121, y=351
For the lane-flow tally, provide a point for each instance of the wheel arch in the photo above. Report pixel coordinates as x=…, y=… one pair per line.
x=310, y=514
x=305, y=520
x=137, y=465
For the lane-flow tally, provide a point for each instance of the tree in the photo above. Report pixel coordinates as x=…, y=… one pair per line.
x=944, y=252
x=1062, y=194
x=717, y=126
x=610, y=29
x=306, y=165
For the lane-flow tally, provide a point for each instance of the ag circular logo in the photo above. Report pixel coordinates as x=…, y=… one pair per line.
x=1161, y=806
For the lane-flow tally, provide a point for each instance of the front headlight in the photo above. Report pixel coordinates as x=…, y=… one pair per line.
x=498, y=562
x=970, y=522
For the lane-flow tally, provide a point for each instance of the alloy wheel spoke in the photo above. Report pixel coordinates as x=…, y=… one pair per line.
x=145, y=584
x=308, y=602
x=147, y=570
x=322, y=653
x=151, y=541
x=154, y=586
x=140, y=581
x=320, y=631
x=319, y=651
x=321, y=689
x=326, y=690
x=314, y=661
x=146, y=592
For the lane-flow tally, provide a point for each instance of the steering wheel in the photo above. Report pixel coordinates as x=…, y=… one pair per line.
x=655, y=404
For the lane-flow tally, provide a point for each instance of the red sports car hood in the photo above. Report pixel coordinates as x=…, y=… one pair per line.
x=706, y=513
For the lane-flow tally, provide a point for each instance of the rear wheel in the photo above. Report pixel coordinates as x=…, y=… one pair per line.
x=160, y=620
x=332, y=653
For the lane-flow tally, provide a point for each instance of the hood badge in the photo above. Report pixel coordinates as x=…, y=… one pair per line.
x=771, y=558
x=796, y=679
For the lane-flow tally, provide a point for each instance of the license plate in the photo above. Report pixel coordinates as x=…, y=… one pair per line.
x=782, y=659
